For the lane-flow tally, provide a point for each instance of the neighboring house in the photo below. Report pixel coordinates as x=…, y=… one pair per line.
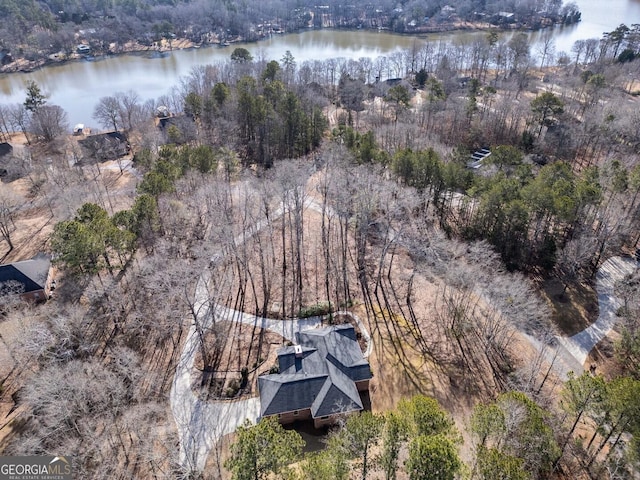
x=320, y=378
x=478, y=158
x=5, y=149
x=162, y=111
x=30, y=278
x=178, y=129
x=83, y=49
x=5, y=58
x=106, y=146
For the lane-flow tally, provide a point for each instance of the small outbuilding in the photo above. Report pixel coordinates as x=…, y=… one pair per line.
x=83, y=49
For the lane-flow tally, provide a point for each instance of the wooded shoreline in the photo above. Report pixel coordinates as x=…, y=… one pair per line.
x=22, y=65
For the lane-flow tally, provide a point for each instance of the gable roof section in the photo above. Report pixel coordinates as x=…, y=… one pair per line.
x=289, y=363
x=322, y=378
x=333, y=400
x=340, y=395
x=281, y=393
x=31, y=274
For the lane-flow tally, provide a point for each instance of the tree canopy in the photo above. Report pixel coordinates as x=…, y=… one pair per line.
x=91, y=241
x=262, y=450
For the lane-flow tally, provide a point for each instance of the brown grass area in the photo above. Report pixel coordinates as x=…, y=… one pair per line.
x=602, y=356
x=240, y=345
x=34, y=221
x=573, y=309
x=11, y=331
x=33, y=225
x=400, y=369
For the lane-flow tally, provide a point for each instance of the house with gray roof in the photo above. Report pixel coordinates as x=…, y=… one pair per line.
x=319, y=378
x=105, y=146
x=29, y=278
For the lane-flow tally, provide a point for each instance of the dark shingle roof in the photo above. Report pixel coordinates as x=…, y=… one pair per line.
x=5, y=149
x=333, y=400
x=30, y=274
x=106, y=145
x=321, y=379
x=286, y=393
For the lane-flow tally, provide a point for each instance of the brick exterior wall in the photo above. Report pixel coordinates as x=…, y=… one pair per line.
x=290, y=417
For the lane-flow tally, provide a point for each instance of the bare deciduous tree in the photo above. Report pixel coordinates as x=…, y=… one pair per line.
x=9, y=203
x=49, y=122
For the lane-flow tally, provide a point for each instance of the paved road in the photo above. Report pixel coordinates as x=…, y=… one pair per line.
x=570, y=353
x=611, y=272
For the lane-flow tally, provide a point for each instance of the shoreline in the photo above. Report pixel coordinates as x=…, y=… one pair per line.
x=133, y=48
x=28, y=66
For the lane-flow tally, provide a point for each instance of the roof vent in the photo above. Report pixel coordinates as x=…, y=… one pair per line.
x=298, y=350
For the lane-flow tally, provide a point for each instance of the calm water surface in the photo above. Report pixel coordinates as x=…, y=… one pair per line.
x=77, y=86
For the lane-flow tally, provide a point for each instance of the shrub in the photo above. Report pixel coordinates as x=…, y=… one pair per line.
x=319, y=309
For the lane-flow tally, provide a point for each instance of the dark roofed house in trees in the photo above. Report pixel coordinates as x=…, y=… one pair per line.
x=106, y=146
x=320, y=378
x=29, y=278
x=179, y=129
x=5, y=149
x=5, y=57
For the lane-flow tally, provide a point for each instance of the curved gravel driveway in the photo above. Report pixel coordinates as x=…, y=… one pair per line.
x=201, y=424
x=610, y=273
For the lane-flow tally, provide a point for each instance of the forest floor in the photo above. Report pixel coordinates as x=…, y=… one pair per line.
x=573, y=306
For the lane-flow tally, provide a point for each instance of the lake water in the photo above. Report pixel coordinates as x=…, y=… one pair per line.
x=77, y=86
